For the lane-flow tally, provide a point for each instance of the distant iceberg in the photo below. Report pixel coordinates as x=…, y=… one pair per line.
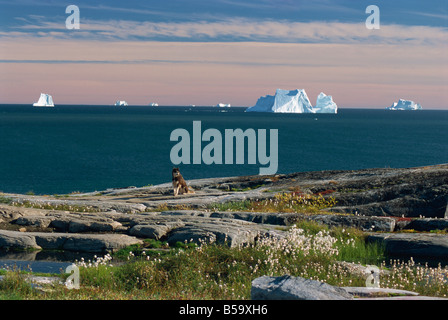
x=45, y=100
x=121, y=103
x=405, y=105
x=223, y=105
x=294, y=101
x=153, y=104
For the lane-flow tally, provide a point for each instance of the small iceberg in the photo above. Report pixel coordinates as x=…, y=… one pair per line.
x=325, y=104
x=153, y=104
x=121, y=103
x=405, y=105
x=223, y=105
x=45, y=100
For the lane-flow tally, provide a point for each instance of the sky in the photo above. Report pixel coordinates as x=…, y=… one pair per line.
x=205, y=52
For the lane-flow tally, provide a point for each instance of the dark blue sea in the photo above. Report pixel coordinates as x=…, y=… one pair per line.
x=71, y=148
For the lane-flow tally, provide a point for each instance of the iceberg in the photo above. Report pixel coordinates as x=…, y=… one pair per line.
x=325, y=104
x=121, y=103
x=405, y=105
x=153, y=104
x=45, y=100
x=293, y=101
x=223, y=105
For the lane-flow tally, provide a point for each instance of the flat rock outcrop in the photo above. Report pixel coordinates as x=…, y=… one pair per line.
x=65, y=241
x=417, y=245
x=383, y=200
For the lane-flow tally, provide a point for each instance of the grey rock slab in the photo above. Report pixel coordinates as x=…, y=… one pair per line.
x=65, y=241
x=154, y=231
x=371, y=223
x=35, y=221
x=10, y=212
x=232, y=232
x=84, y=242
x=89, y=204
x=192, y=213
x=295, y=288
x=428, y=224
x=376, y=292
x=72, y=222
x=367, y=223
x=193, y=225
x=79, y=226
x=17, y=240
x=413, y=244
x=282, y=219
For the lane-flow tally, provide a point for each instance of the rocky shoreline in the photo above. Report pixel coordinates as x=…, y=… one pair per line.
x=384, y=202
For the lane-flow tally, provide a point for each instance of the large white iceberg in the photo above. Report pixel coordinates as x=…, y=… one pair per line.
x=294, y=101
x=45, y=100
x=405, y=105
x=121, y=103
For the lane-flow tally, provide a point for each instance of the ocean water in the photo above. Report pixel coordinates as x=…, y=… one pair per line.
x=72, y=148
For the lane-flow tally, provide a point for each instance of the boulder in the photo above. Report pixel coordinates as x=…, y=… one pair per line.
x=295, y=288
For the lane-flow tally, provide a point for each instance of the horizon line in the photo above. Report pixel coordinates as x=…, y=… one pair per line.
x=204, y=106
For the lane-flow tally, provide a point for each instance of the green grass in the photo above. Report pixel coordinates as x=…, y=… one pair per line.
x=5, y=200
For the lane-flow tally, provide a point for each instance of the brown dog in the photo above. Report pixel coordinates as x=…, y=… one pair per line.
x=179, y=184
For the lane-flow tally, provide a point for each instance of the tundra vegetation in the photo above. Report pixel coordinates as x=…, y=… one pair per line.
x=208, y=270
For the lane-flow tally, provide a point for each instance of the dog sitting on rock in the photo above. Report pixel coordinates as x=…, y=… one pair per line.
x=179, y=184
